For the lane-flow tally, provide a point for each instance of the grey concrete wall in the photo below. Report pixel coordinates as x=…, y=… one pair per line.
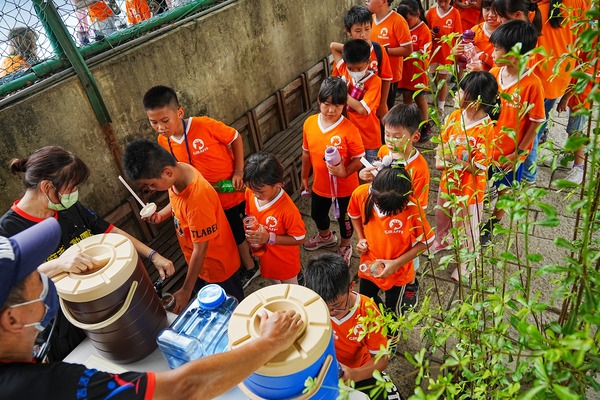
x=221, y=65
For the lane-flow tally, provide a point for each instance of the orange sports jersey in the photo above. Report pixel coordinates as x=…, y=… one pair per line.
x=349, y=350
x=557, y=41
x=383, y=71
x=389, y=237
x=421, y=40
x=280, y=216
x=527, y=96
x=368, y=125
x=581, y=100
x=343, y=135
x=446, y=22
x=417, y=168
x=469, y=17
x=137, y=11
x=468, y=143
x=482, y=42
x=199, y=217
x=391, y=32
x=99, y=11
x=206, y=143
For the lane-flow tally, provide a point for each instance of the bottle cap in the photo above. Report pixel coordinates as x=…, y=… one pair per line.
x=469, y=34
x=211, y=296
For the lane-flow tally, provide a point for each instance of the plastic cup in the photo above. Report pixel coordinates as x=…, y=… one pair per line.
x=148, y=210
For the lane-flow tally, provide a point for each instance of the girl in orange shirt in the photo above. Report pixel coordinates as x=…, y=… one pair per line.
x=463, y=157
x=281, y=229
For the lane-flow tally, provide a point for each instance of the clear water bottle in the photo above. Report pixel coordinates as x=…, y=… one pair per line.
x=372, y=268
x=468, y=48
x=251, y=224
x=201, y=329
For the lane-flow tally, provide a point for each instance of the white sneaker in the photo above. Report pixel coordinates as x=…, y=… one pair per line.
x=318, y=241
x=575, y=175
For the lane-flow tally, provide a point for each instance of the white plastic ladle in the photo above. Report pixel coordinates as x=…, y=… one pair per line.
x=147, y=209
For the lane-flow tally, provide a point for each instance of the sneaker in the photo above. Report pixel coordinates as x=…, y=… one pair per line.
x=529, y=182
x=544, y=136
x=575, y=175
x=247, y=275
x=410, y=297
x=346, y=253
x=486, y=234
x=425, y=133
x=300, y=277
x=437, y=247
x=318, y=241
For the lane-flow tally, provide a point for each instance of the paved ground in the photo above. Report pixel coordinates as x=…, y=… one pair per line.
x=400, y=370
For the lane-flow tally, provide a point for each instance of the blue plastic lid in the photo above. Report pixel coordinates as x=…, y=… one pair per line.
x=211, y=296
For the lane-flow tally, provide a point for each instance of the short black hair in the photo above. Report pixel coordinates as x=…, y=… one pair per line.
x=357, y=15
x=159, y=97
x=334, y=90
x=356, y=51
x=481, y=86
x=262, y=169
x=404, y=116
x=328, y=276
x=508, y=34
x=145, y=159
x=390, y=191
x=487, y=3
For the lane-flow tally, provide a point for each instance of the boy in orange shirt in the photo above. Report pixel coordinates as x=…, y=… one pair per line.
x=391, y=233
x=203, y=233
x=282, y=230
x=203, y=143
x=362, y=109
x=520, y=117
x=358, y=23
x=332, y=184
x=356, y=345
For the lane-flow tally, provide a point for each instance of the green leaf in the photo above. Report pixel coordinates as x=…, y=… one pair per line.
x=564, y=184
x=551, y=269
x=550, y=221
x=532, y=393
x=534, y=257
x=564, y=393
x=573, y=143
x=564, y=243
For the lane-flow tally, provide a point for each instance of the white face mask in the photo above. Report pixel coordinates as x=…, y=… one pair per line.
x=357, y=76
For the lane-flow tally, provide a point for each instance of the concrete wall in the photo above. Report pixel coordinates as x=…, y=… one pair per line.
x=221, y=65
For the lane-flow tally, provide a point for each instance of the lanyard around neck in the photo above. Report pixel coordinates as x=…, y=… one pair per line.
x=187, y=146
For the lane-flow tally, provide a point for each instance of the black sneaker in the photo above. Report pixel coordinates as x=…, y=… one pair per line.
x=425, y=133
x=486, y=234
x=410, y=296
x=247, y=275
x=300, y=278
x=544, y=136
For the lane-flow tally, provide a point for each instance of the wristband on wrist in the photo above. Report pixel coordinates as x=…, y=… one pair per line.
x=152, y=253
x=272, y=238
x=238, y=170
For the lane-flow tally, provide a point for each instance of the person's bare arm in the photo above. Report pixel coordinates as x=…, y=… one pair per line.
x=237, y=148
x=365, y=371
x=400, y=51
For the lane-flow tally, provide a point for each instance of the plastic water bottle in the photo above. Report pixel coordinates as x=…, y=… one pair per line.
x=200, y=330
x=469, y=48
x=224, y=186
x=372, y=268
x=332, y=156
x=357, y=92
x=251, y=224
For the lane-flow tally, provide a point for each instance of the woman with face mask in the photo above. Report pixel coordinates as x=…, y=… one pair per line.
x=52, y=176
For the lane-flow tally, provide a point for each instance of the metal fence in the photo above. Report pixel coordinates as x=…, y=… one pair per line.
x=31, y=47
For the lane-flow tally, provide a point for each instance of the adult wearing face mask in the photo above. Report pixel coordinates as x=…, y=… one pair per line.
x=28, y=300
x=51, y=178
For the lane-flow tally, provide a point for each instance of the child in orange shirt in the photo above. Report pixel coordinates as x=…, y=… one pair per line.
x=329, y=277
x=204, y=235
x=470, y=12
x=332, y=184
x=354, y=69
x=358, y=23
x=282, y=230
x=483, y=31
x=443, y=20
x=137, y=11
x=415, y=77
x=463, y=157
x=391, y=233
x=205, y=144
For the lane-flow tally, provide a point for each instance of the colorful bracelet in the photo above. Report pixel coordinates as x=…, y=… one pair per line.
x=272, y=238
x=152, y=253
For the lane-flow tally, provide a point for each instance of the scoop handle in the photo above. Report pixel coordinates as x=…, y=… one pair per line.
x=131, y=191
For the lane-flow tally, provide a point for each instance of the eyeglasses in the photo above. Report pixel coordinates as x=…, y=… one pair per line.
x=42, y=297
x=337, y=310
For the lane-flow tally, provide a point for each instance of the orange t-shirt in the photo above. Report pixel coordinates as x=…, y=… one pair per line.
x=199, y=217
x=526, y=93
x=368, y=125
x=482, y=42
x=391, y=32
x=421, y=38
x=99, y=11
x=137, y=11
x=383, y=71
x=208, y=143
x=389, y=237
x=557, y=41
x=280, y=216
x=417, y=168
x=343, y=135
x=581, y=100
x=468, y=143
x=447, y=23
x=349, y=350
x=469, y=17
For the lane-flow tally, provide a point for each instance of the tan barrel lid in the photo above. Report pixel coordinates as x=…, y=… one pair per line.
x=118, y=259
x=312, y=340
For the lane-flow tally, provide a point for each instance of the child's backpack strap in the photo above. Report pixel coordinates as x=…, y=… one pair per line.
x=379, y=55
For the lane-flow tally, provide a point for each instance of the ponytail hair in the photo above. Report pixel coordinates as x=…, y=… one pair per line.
x=389, y=191
x=412, y=7
x=504, y=8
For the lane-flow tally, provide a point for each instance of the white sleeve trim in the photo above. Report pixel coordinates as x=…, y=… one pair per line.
x=365, y=106
x=299, y=237
x=360, y=155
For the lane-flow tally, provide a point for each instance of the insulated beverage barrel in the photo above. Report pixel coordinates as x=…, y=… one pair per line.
x=311, y=355
x=115, y=304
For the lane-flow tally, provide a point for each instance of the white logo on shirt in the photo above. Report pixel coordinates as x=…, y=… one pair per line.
x=271, y=222
x=336, y=141
x=448, y=23
x=395, y=227
x=414, y=38
x=198, y=144
x=383, y=34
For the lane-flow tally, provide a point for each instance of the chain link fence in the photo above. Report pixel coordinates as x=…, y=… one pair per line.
x=29, y=50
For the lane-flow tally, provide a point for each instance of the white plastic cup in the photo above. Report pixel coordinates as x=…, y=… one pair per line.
x=148, y=210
